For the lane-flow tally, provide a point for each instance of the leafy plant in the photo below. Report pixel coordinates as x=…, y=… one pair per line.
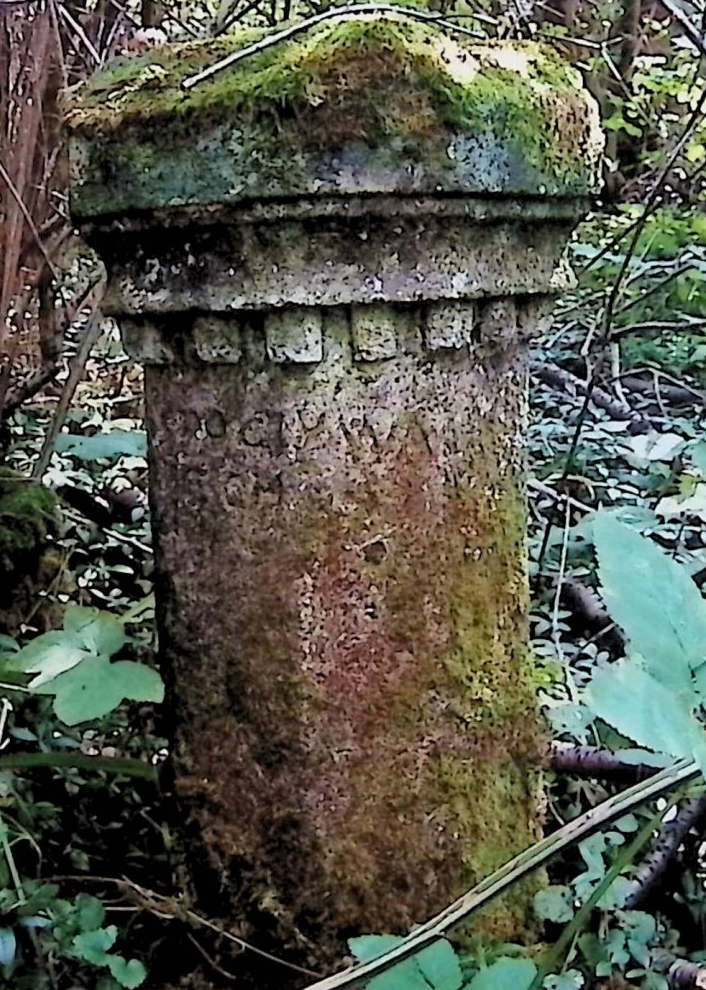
x=663, y=615
x=75, y=666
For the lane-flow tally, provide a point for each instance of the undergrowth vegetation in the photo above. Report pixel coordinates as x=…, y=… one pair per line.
x=90, y=874
x=89, y=869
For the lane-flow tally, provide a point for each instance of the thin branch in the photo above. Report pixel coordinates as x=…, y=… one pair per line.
x=563, y=381
x=171, y=907
x=90, y=335
x=7, y=179
x=332, y=13
x=685, y=23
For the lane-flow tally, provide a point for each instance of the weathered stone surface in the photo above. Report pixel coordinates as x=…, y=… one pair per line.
x=330, y=260
x=369, y=105
x=346, y=621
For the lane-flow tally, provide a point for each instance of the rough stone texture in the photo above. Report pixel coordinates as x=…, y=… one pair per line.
x=342, y=542
x=333, y=337
x=368, y=105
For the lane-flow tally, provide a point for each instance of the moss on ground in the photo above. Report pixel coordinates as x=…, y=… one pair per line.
x=28, y=562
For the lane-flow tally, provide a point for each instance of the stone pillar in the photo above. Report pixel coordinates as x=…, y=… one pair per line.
x=329, y=259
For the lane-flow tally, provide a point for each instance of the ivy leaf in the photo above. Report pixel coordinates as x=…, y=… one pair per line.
x=84, y=693
x=367, y=947
x=137, y=681
x=404, y=976
x=90, y=913
x=653, y=599
x=505, y=974
x=47, y=656
x=407, y=975
x=554, y=903
x=128, y=972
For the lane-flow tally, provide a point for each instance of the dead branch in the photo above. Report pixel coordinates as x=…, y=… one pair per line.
x=654, y=867
x=563, y=381
x=586, y=606
x=594, y=761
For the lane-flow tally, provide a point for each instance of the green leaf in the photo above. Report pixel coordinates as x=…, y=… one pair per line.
x=554, y=903
x=119, y=443
x=653, y=599
x=437, y=966
x=86, y=692
x=100, y=632
x=90, y=913
x=137, y=681
x=92, y=947
x=638, y=706
x=96, y=686
x=48, y=656
x=505, y=974
x=440, y=966
x=367, y=947
x=406, y=975
x=129, y=973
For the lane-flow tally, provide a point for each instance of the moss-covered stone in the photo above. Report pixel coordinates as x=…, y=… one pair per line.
x=28, y=521
x=376, y=103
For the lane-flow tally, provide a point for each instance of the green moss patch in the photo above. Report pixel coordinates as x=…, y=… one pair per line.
x=28, y=520
x=404, y=91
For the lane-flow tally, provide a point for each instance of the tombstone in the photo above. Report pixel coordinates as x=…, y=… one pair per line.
x=329, y=257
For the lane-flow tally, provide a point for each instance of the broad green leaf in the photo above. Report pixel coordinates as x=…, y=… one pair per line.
x=98, y=631
x=86, y=692
x=505, y=974
x=440, y=966
x=128, y=972
x=96, y=686
x=93, y=947
x=137, y=681
x=404, y=976
x=554, y=903
x=653, y=599
x=36, y=650
x=118, y=443
x=638, y=706
x=48, y=656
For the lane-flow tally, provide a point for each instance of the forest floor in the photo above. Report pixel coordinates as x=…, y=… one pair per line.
x=636, y=446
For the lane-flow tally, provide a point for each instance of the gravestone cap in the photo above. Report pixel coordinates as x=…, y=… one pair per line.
x=364, y=105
